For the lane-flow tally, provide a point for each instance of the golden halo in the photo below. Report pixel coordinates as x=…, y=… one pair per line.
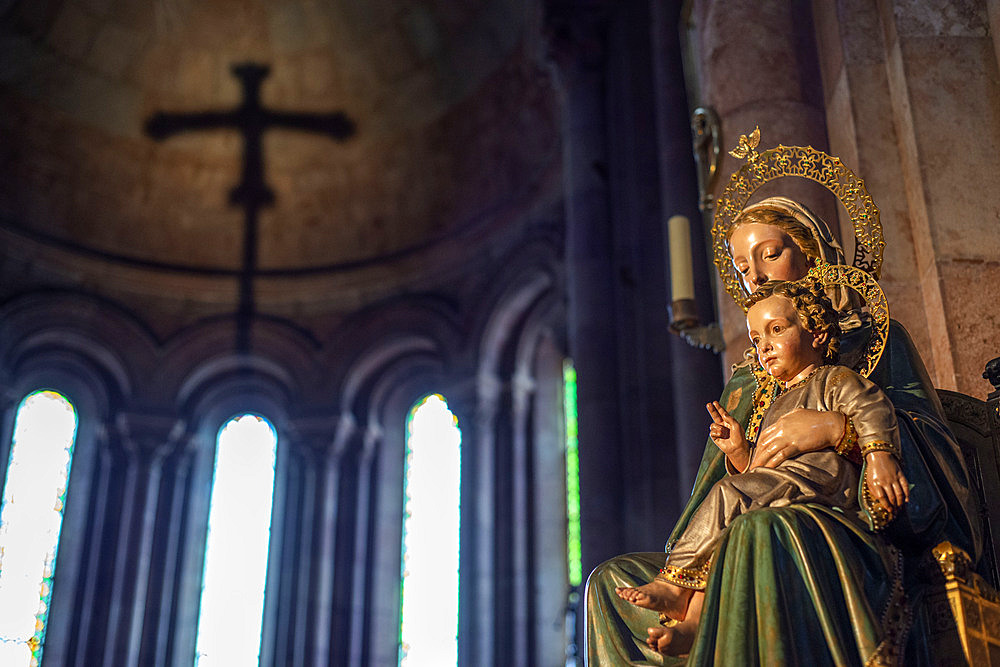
x=864, y=284
x=805, y=162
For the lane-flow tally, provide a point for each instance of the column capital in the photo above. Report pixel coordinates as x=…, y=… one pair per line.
x=319, y=430
x=321, y=435
x=149, y=434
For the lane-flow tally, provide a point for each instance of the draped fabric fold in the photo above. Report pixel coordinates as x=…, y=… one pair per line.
x=807, y=584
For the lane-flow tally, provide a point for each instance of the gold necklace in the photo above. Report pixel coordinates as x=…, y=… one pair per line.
x=805, y=379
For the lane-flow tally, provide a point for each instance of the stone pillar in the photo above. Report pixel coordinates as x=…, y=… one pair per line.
x=522, y=521
x=859, y=110
x=362, y=561
x=146, y=440
x=348, y=460
x=476, y=408
x=942, y=68
x=696, y=374
x=97, y=568
x=647, y=363
x=316, y=438
x=758, y=67
x=578, y=38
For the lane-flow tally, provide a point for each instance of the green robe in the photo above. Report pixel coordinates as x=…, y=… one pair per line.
x=801, y=584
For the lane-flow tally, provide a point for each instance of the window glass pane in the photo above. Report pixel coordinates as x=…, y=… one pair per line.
x=239, y=528
x=573, y=555
x=432, y=480
x=30, y=521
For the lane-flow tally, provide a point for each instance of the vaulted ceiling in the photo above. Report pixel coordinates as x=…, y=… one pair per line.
x=455, y=142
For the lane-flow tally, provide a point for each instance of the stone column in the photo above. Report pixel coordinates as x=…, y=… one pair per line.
x=315, y=438
x=362, y=561
x=854, y=62
x=476, y=406
x=696, y=374
x=349, y=461
x=522, y=521
x=146, y=439
x=758, y=67
x=578, y=37
x=944, y=88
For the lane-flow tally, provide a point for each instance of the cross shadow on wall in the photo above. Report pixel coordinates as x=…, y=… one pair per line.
x=251, y=120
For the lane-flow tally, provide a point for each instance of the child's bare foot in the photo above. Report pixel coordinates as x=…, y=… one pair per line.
x=677, y=640
x=659, y=596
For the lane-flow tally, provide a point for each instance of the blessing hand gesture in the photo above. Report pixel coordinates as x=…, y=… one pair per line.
x=728, y=435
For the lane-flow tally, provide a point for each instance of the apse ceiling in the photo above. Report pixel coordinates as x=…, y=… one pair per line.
x=451, y=124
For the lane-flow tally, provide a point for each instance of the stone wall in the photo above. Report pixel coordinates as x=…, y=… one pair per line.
x=913, y=103
x=908, y=95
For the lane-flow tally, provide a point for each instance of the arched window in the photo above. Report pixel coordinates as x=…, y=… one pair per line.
x=239, y=528
x=573, y=552
x=431, y=484
x=574, y=558
x=30, y=521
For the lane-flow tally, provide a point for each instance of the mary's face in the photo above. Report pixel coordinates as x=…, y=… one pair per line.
x=765, y=252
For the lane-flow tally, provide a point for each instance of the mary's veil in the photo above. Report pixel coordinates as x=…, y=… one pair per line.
x=844, y=299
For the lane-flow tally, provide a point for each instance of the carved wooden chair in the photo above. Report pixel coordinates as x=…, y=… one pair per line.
x=964, y=612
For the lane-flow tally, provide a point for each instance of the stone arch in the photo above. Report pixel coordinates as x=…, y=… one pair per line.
x=281, y=353
x=86, y=385
x=529, y=273
x=376, y=461
x=223, y=392
x=501, y=616
x=384, y=357
x=104, y=337
x=428, y=321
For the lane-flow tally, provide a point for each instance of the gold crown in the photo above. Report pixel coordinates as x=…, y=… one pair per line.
x=804, y=162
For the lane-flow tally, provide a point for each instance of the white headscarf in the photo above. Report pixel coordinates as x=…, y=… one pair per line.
x=844, y=299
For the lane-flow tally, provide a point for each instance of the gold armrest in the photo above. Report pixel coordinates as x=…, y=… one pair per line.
x=964, y=614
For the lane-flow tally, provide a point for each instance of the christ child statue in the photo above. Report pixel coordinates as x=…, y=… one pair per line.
x=795, y=330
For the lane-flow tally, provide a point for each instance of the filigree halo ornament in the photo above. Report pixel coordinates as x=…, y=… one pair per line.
x=865, y=285
x=804, y=162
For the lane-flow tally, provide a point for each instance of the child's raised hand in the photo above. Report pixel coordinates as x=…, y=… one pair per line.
x=728, y=435
x=885, y=480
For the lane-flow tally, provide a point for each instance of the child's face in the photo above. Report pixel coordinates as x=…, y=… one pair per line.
x=784, y=347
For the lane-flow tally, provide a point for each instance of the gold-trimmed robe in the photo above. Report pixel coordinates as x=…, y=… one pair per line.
x=800, y=584
x=824, y=477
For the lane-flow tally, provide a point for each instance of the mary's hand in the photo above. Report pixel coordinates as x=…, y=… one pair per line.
x=799, y=431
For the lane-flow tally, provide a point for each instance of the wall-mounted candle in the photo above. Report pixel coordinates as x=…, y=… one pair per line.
x=681, y=272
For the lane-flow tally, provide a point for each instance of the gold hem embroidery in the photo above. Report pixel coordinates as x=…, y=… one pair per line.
x=768, y=389
x=896, y=619
x=848, y=445
x=880, y=516
x=695, y=579
x=880, y=446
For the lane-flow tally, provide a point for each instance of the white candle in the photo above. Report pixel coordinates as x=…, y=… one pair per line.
x=681, y=272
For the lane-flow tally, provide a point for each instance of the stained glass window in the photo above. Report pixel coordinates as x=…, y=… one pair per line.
x=30, y=521
x=432, y=476
x=239, y=529
x=574, y=559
